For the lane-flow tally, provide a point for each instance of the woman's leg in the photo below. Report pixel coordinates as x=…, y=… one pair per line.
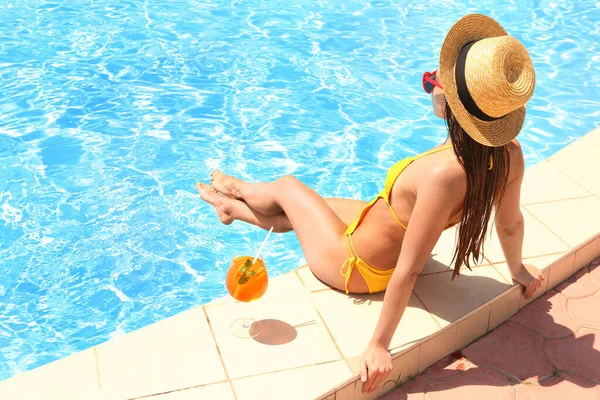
x=229, y=209
x=318, y=228
x=346, y=209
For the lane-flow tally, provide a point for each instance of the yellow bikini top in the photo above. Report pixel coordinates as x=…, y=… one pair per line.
x=390, y=179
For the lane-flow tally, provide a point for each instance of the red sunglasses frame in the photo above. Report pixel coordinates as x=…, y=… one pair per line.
x=430, y=77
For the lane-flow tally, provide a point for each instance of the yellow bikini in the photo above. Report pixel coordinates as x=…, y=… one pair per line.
x=377, y=280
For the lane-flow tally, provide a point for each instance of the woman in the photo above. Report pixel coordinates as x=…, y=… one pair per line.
x=484, y=79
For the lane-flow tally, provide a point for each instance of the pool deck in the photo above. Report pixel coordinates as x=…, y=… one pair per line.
x=549, y=350
x=313, y=336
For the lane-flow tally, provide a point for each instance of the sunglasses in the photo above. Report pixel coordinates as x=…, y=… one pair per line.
x=429, y=81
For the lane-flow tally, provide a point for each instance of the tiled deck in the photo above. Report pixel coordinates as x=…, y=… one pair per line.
x=549, y=350
x=313, y=336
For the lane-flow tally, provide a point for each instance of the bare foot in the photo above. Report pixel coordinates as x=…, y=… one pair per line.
x=225, y=184
x=220, y=203
x=530, y=277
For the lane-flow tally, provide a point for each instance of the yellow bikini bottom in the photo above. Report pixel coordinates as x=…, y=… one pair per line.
x=377, y=280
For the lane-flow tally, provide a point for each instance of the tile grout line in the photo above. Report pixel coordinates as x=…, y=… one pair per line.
x=463, y=268
x=545, y=226
x=564, y=253
x=284, y=370
x=219, y=351
x=503, y=277
x=427, y=309
x=487, y=329
x=299, y=277
x=569, y=175
x=565, y=199
x=149, y=396
x=331, y=335
x=571, y=178
x=98, y=377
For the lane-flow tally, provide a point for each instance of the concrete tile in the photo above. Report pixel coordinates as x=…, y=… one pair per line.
x=544, y=182
x=442, y=254
x=404, y=366
x=309, y=280
x=216, y=391
x=586, y=311
x=583, y=170
x=561, y=270
x=595, y=274
x=73, y=377
x=451, y=365
x=298, y=383
x=542, y=263
x=346, y=393
x=473, y=327
x=176, y=353
x=359, y=395
x=574, y=221
x=504, y=307
x=413, y=389
x=576, y=150
x=579, y=354
x=548, y=316
x=285, y=285
x=476, y=383
x=330, y=397
x=592, y=137
x=437, y=347
x=292, y=336
x=563, y=386
x=587, y=253
x=578, y=286
x=449, y=300
x=351, y=319
x=513, y=349
x=538, y=241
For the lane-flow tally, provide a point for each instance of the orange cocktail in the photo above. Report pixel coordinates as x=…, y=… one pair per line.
x=246, y=281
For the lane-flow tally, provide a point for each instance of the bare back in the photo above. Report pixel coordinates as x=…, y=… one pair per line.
x=379, y=238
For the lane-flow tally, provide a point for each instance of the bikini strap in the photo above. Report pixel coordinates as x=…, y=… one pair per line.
x=432, y=151
x=350, y=262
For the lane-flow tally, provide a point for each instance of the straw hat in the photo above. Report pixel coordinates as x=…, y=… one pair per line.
x=488, y=77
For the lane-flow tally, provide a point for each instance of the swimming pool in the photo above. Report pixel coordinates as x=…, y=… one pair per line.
x=109, y=113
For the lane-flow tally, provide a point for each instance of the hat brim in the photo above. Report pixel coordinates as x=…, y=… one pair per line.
x=471, y=28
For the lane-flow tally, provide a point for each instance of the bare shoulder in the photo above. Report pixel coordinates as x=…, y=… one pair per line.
x=517, y=162
x=449, y=178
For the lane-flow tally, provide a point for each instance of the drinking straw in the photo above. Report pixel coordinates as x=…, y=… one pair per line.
x=260, y=249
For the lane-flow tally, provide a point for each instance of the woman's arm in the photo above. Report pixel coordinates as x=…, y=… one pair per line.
x=510, y=226
x=430, y=215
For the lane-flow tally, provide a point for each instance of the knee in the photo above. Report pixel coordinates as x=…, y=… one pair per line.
x=288, y=181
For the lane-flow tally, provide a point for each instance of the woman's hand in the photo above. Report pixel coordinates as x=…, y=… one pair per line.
x=375, y=366
x=530, y=277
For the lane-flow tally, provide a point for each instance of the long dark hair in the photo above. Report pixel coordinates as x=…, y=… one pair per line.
x=487, y=171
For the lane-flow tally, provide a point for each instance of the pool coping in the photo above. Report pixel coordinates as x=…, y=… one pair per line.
x=193, y=355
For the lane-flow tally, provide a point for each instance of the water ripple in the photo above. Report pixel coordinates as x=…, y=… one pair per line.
x=111, y=111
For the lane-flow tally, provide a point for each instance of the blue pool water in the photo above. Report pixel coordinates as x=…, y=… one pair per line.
x=111, y=110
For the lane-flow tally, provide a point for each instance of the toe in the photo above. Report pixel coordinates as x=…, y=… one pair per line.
x=200, y=186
